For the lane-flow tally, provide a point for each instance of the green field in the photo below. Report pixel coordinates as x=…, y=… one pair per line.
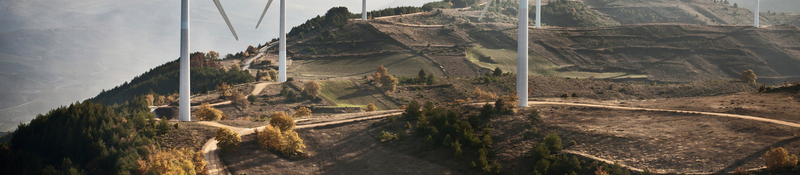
x=398, y=65
x=344, y=93
x=506, y=59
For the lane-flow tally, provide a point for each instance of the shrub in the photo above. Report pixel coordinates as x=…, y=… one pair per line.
x=203, y=90
x=497, y=72
x=457, y=152
x=239, y=99
x=227, y=139
x=534, y=117
x=313, y=89
x=506, y=104
x=294, y=145
x=553, y=142
x=302, y=112
x=163, y=126
x=224, y=90
x=600, y=171
x=778, y=159
x=208, y=113
x=484, y=95
x=386, y=137
x=236, y=67
x=171, y=161
x=748, y=76
x=487, y=110
x=281, y=121
x=412, y=111
x=271, y=139
x=251, y=98
x=371, y=107
x=273, y=74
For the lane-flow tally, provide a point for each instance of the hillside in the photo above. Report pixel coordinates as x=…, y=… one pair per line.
x=631, y=52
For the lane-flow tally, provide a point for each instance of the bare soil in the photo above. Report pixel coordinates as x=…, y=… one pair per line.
x=189, y=135
x=344, y=149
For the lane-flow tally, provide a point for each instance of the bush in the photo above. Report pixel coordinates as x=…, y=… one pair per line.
x=437, y=4
x=553, y=142
x=386, y=137
x=778, y=159
x=497, y=72
x=239, y=99
x=484, y=95
x=313, y=89
x=412, y=111
x=236, y=67
x=457, y=152
x=506, y=104
x=227, y=139
x=487, y=110
x=748, y=76
x=281, y=121
x=172, y=161
x=294, y=145
x=208, y=113
x=224, y=90
x=251, y=98
x=163, y=126
x=534, y=117
x=302, y=112
x=371, y=107
x=272, y=139
x=273, y=74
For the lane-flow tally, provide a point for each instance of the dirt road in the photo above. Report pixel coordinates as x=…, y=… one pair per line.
x=215, y=166
x=211, y=151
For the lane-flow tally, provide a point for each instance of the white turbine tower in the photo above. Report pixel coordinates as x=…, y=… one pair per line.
x=363, y=10
x=522, y=55
x=755, y=21
x=184, y=89
x=538, y=13
x=281, y=42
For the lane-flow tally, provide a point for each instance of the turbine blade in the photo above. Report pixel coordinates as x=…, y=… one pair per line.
x=263, y=13
x=484, y=10
x=224, y=16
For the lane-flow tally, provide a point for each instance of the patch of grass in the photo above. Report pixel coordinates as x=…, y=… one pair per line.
x=398, y=65
x=506, y=59
x=344, y=93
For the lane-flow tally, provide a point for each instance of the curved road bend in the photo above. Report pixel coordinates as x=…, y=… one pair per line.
x=211, y=151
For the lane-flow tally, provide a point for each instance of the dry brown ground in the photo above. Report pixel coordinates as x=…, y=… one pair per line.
x=779, y=106
x=189, y=135
x=344, y=149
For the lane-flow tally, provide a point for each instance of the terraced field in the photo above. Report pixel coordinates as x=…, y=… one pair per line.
x=345, y=93
x=404, y=64
x=506, y=59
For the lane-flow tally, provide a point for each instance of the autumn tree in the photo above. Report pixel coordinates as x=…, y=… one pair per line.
x=313, y=89
x=777, y=159
x=281, y=121
x=227, y=139
x=748, y=76
x=380, y=71
x=302, y=112
x=371, y=107
x=236, y=67
x=251, y=49
x=389, y=82
x=484, y=95
x=273, y=74
x=149, y=99
x=208, y=113
x=224, y=90
x=212, y=55
x=238, y=98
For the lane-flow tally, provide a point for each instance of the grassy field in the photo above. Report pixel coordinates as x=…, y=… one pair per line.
x=398, y=65
x=506, y=59
x=344, y=93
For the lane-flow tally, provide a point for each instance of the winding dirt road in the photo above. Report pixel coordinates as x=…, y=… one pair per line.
x=215, y=166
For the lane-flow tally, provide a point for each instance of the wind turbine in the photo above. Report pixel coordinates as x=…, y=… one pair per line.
x=184, y=89
x=522, y=54
x=755, y=21
x=538, y=13
x=281, y=42
x=363, y=10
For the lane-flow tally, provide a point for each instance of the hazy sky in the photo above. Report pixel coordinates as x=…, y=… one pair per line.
x=70, y=50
